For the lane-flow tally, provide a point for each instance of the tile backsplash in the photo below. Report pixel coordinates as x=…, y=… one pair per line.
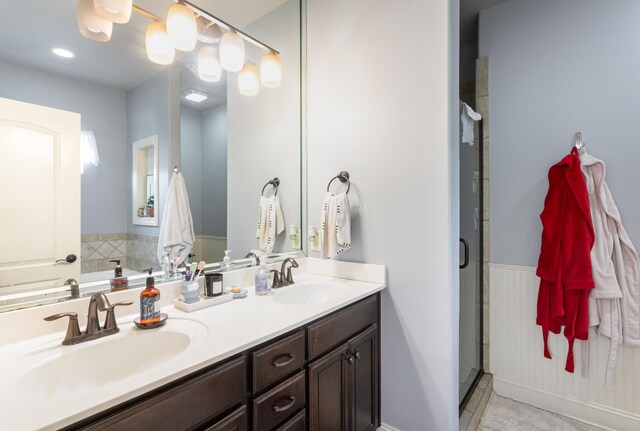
x=134, y=251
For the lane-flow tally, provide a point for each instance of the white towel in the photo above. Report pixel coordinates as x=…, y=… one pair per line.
x=468, y=117
x=270, y=222
x=176, y=232
x=335, y=235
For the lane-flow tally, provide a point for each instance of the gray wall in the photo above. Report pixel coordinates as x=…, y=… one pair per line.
x=103, y=110
x=264, y=135
x=388, y=115
x=214, y=172
x=203, y=142
x=191, y=161
x=557, y=68
x=153, y=108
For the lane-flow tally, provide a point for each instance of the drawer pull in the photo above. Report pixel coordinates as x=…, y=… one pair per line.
x=289, y=358
x=292, y=401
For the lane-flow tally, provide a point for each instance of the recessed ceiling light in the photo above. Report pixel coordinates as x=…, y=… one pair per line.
x=195, y=96
x=61, y=52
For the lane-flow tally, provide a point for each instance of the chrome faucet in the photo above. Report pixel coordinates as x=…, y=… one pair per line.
x=98, y=301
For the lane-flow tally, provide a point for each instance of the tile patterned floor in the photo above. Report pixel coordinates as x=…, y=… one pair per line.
x=505, y=414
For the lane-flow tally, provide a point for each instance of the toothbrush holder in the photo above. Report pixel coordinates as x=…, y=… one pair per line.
x=190, y=291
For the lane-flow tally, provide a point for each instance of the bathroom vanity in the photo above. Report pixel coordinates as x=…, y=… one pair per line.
x=307, y=357
x=326, y=371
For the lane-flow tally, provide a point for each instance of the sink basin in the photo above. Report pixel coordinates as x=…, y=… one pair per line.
x=63, y=370
x=311, y=292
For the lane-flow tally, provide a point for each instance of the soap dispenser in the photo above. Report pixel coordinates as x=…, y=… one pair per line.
x=118, y=282
x=226, y=262
x=263, y=277
x=150, y=301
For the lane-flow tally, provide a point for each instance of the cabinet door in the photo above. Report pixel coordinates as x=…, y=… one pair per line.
x=236, y=421
x=364, y=380
x=329, y=391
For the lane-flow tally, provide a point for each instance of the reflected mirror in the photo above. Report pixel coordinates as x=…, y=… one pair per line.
x=145, y=181
x=227, y=129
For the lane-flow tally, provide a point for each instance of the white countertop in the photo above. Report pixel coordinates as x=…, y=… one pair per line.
x=217, y=332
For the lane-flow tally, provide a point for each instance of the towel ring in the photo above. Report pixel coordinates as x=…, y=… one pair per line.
x=343, y=176
x=275, y=183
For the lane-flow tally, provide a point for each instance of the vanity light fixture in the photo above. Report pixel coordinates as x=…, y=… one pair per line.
x=181, y=27
x=186, y=24
x=61, y=52
x=248, y=81
x=232, y=52
x=209, y=68
x=117, y=11
x=195, y=96
x=159, y=47
x=91, y=24
x=270, y=71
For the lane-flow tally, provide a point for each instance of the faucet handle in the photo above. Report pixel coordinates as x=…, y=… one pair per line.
x=110, y=320
x=73, y=330
x=275, y=283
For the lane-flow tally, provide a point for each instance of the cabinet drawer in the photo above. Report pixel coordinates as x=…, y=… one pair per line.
x=236, y=421
x=185, y=405
x=296, y=423
x=280, y=403
x=339, y=327
x=275, y=361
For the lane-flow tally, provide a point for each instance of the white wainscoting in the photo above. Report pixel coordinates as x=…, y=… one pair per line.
x=210, y=248
x=521, y=371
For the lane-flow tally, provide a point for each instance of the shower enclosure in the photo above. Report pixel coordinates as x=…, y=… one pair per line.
x=470, y=264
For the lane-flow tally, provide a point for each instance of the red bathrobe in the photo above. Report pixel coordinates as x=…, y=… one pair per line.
x=564, y=266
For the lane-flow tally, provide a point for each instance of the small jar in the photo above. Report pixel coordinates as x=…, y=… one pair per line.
x=213, y=284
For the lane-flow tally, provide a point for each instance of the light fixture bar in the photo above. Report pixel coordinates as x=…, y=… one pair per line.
x=145, y=13
x=227, y=26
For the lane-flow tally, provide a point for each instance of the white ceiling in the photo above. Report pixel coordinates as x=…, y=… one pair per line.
x=30, y=28
x=469, y=10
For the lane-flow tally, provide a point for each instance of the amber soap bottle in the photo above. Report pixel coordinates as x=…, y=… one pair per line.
x=150, y=301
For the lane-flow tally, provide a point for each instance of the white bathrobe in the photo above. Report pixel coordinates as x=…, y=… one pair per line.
x=176, y=232
x=614, y=303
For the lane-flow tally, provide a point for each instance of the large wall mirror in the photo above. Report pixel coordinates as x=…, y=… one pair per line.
x=227, y=134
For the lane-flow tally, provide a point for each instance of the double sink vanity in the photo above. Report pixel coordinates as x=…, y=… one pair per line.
x=306, y=357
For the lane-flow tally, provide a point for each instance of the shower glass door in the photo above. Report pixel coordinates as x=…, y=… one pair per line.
x=470, y=264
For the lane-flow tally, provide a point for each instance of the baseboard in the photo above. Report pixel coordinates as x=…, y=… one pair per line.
x=589, y=412
x=385, y=427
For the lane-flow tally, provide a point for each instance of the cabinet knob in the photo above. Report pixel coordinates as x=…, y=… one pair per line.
x=357, y=355
x=350, y=359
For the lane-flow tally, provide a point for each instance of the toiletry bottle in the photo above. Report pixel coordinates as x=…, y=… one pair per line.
x=118, y=282
x=150, y=301
x=263, y=277
x=226, y=262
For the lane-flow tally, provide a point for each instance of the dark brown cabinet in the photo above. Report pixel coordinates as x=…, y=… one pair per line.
x=343, y=386
x=323, y=376
x=236, y=421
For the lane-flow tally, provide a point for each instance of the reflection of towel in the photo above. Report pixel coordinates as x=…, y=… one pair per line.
x=176, y=233
x=468, y=117
x=335, y=234
x=270, y=222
